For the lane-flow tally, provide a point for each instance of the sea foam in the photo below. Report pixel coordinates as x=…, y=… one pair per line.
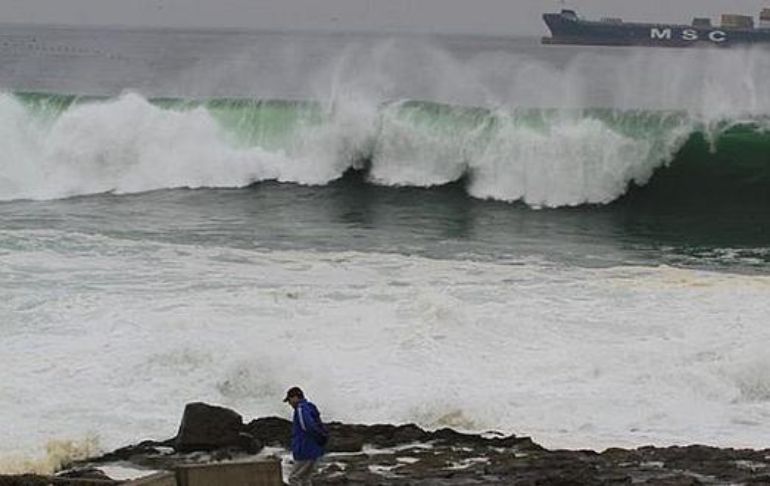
x=572, y=356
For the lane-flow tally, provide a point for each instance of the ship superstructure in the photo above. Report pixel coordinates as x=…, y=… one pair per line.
x=568, y=28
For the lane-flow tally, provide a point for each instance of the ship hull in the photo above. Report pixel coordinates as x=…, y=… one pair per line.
x=567, y=30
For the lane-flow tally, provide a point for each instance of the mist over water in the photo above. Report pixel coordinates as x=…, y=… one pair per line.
x=556, y=127
x=444, y=214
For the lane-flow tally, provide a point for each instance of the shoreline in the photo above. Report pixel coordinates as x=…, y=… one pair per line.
x=387, y=454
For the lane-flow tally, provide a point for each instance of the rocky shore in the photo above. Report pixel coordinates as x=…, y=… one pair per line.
x=409, y=455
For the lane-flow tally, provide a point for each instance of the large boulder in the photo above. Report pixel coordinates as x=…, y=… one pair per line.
x=207, y=427
x=273, y=431
x=345, y=443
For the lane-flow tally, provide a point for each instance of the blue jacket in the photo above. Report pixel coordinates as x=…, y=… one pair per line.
x=308, y=434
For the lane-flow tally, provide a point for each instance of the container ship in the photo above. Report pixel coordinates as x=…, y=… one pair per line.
x=734, y=30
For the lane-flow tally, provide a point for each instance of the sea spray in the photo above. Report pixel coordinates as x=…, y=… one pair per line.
x=58, y=453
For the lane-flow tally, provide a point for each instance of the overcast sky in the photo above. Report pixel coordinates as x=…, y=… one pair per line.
x=520, y=17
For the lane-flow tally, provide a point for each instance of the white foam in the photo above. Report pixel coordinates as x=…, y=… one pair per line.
x=469, y=462
x=58, y=452
x=569, y=163
x=116, y=336
x=124, y=146
x=129, y=145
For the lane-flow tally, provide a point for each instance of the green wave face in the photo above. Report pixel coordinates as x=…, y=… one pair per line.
x=545, y=158
x=731, y=165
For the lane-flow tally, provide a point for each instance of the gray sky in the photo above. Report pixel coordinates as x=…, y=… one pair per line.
x=520, y=17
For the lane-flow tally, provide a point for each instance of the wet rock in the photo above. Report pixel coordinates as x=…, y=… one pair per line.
x=24, y=480
x=206, y=427
x=272, y=431
x=405, y=434
x=401, y=455
x=249, y=443
x=145, y=448
x=36, y=480
x=677, y=480
x=338, y=443
x=84, y=473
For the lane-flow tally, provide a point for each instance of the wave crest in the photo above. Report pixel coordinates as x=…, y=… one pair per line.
x=63, y=146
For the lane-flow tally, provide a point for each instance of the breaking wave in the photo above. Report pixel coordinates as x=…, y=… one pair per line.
x=62, y=146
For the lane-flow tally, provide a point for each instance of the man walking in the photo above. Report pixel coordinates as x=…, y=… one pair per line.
x=308, y=437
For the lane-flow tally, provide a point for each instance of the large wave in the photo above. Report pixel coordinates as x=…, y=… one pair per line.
x=60, y=146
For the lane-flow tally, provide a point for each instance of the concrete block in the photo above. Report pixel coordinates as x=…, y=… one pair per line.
x=257, y=473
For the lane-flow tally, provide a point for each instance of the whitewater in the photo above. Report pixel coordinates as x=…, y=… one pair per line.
x=481, y=233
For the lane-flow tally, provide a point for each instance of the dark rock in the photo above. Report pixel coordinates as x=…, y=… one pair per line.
x=756, y=480
x=344, y=444
x=521, y=443
x=220, y=455
x=405, y=434
x=452, y=436
x=206, y=427
x=273, y=431
x=379, y=435
x=84, y=473
x=24, y=480
x=408, y=455
x=249, y=443
x=147, y=447
x=678, y=480
x=36, y=480
x=620, y=455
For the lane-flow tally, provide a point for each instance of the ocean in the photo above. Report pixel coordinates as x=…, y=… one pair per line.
x=569, y=243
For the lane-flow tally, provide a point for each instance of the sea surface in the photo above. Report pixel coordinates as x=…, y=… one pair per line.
x=479, y=232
